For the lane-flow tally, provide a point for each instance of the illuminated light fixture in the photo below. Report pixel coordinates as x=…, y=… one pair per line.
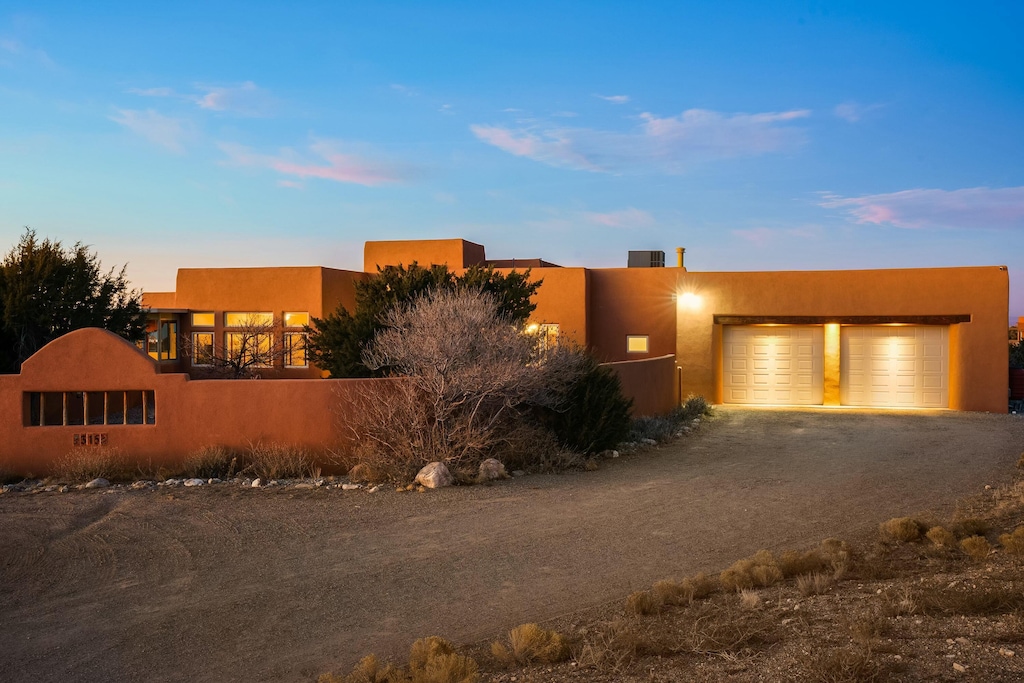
x=691, y=301
x=532, y=328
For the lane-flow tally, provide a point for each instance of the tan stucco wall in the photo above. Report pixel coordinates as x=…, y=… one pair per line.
x=189, y=413
x=651, y=383
x=455, y=253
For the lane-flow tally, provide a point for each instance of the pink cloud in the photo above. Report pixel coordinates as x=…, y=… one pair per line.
x=246, y=99
x=665, y=144
x=975, y=207
x=341, y=167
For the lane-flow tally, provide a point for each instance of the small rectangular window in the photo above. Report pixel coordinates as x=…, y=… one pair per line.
x=295, y=319
x=295, y=350
x=205, y=319
x=115, y=407
x=75, y=407
x=637, y=344
x=149, y=398
x=34, y=409
x=248, y=319
x=202, y=348
x=53, y=408
x=134, y=408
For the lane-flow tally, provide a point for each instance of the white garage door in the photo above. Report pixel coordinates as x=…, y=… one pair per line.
x=894, y=367
x=773, y=365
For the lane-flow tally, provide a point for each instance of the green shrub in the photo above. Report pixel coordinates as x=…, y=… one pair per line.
x=593, y=415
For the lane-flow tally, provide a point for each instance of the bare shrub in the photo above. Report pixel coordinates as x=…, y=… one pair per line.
x=85, y=463
x=941, y=537
x=1013, y=543
x=971, y=602
x=434, y=660
x=642, y=602
x=758, y=570
x=467, y=377
x=244, y=352
x=210, y=462
x=715, y=630
x=900, y=530
x=870, y=627
x=976, y=547
x=814, y=584
x=845, y=665
x=612, y=646
x=278, y=461
x=531, y=643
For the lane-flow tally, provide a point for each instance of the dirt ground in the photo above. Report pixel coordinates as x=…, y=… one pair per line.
x=222, y=583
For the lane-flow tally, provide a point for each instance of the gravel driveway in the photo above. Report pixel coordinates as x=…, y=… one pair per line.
x=222, y=583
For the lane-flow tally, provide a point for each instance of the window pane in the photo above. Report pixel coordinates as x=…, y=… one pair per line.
x=202, y=348
x=295, y=319
x=150, y=407
x=53, y=408
x=115, y=407
x=636, y=344
x=94, y=402
x=248, y=319
x=168, y=341
x=134, y=407
x=295, y=350
x=202, y=319
x=34, y=409
x=153, y=344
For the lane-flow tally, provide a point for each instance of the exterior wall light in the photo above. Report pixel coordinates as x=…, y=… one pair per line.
x=691, y=301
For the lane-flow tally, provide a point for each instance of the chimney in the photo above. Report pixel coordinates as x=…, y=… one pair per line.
x=679, y=256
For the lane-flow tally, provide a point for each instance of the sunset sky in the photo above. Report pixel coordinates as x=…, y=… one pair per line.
x=760, y=136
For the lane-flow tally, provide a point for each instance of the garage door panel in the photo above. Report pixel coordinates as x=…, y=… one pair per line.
x=905, y=366
x=782, y=364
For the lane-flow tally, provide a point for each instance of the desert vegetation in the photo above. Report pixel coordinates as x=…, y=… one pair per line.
x=920, y=601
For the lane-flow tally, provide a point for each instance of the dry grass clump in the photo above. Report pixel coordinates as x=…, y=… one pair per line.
x=714, y=629
x=612, y=646
x=971, y=527
x=758, y=570
x=642, y=602
x=434, y=660
x=814, y=584
x=976, y=602
x=368, y=670
x=976, y=547
x=85, y=463
x=900, y=530
x=896, y=603
x=749, y=599
x=1013, y=543
x=278, y=461
x=942, y=537
x=531, y=643
x=845, y=665
x=210, y=462
x=869, y=628
x=832, y=555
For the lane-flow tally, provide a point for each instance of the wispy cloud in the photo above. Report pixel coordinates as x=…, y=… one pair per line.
x=667, y=144
x=975, y=207
x=852, y=112
x=341, y=166
x=12, y=51
x=614, y=99
x=626, y=218
x=245, y=99
x=169, y=133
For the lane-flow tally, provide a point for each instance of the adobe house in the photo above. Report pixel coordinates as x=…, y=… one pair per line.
x=907, y=338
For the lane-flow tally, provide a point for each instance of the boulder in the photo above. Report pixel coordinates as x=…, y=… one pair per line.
x=98, y=483
x=435, y=475
x=491, y=469
x=194, y=482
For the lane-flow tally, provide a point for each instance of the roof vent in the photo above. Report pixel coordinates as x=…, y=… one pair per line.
x=646, y=259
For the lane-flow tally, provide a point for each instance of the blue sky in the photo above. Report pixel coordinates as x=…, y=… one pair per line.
x=760, y=136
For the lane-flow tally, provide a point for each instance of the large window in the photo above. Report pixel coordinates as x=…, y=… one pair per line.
x=248, y=348
x=248, y=319
x=74, y=408
x=295, y=350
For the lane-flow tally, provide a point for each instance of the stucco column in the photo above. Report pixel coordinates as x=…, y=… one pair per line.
x=831, y=369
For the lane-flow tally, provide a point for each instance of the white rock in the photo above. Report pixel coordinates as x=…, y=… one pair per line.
x=303, y=485
x=350, y=487
x=256, y=483
x=491, y=469
x=615, y=454
x=649, y=442
x=172, y=482
x=959, y=667
x=215, y=480
x=435, y=475
x=194, y=482
x=375, y=489
x=98, y=483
